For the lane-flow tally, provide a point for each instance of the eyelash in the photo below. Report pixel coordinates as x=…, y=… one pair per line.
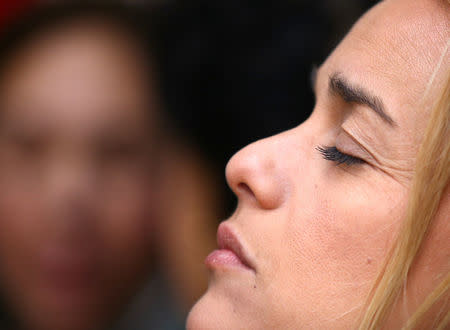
x=334, y=155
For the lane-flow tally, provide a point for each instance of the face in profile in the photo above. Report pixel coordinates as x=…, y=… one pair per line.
x=77, y=176
x=319, y=205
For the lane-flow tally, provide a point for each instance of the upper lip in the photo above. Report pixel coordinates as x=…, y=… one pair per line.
x=227, y=239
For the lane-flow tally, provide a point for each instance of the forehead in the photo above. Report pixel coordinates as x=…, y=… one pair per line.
x=394, y=49
x=78, y=44
x=86, y=69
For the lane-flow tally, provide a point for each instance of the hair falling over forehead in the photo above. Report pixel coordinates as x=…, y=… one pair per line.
x=430, y=183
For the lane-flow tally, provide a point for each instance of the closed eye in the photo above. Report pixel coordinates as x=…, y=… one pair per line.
x=333, y=154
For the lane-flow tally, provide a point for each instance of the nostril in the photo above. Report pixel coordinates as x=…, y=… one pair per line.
x=245, y=189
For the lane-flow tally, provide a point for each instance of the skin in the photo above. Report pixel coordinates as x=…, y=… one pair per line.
x=78, y=176
x=316, y=231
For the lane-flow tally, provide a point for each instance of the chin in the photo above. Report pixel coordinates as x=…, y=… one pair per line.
x=213, y=313
x=198, y=317
x=228, y=308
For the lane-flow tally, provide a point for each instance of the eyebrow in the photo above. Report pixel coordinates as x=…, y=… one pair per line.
x=355, y=94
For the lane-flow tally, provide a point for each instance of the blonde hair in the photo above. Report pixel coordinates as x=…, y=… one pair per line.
x=429, y=184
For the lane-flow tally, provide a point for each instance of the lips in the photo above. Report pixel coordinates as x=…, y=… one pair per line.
x=68, y=271
x=231, y=252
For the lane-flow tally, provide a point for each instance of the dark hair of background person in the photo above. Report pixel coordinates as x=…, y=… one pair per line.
x=132, y=20
x=135, y=21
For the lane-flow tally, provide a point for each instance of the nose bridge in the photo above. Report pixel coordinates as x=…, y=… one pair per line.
x=70, y=184
x=254, y=173
x=69, y=193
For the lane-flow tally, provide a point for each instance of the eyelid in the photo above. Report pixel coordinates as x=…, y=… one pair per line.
x=335, y=155
x=348, y=144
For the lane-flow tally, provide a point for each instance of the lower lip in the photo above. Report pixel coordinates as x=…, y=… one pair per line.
x=224, y=258
x=68, y=277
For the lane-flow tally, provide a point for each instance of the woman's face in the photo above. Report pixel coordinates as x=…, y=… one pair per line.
x=311, y=233
x=76, y=176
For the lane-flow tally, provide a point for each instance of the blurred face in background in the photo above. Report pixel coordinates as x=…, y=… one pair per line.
x=77, y=175
x=319, y=205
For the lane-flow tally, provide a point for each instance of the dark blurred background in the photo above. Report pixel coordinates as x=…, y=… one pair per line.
x=231, y=72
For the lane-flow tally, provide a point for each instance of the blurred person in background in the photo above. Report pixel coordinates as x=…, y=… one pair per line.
x=93, y=182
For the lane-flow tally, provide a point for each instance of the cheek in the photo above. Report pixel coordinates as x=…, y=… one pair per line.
x=124, y=231
x=21, y=235
x=21, y=218
x=335, y=243
x=129, y=218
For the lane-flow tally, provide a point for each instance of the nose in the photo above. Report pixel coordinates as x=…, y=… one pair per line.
x=255, y=175
x=70, y=193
